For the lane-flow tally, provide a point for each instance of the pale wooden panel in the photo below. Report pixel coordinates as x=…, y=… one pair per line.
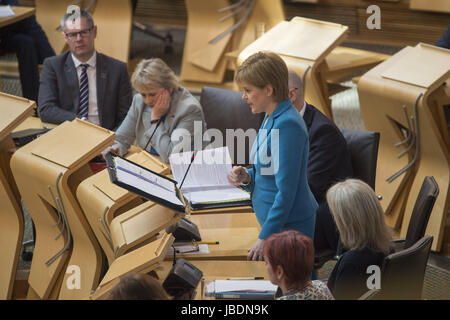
x=14, y=111
x=381, y=101
x=139, y=225
x=114, y=22
x=11, y=222
x=20, y=14
x=33, y=123
x=53, y=145
x=142, y=259
x=233, y=243
x=49, y=14
x=430, y=5
x=301, y=38
x=422, y=67
x=203, y=17
x=266, y=13
x=225, y=220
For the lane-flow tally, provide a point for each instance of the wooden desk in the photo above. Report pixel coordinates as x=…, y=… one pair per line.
x=343, y=61
x=220, y=269
x=236, y=234
x=21, y=13
x=404, y=95
x=13, y=111
x=226, y=220
x=47, y=172
x=33, y=123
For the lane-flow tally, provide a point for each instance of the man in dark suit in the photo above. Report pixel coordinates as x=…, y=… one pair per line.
x=444, y=41
x=82, y=82
x=27, y=39
x=328, y=162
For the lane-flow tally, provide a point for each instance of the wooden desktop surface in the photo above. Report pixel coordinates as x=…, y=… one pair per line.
x=21, y=13
x=220, y=270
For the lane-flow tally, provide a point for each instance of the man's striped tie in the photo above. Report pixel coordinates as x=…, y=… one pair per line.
x=84, y=93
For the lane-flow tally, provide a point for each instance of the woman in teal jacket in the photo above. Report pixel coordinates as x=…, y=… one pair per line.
x=277, y=181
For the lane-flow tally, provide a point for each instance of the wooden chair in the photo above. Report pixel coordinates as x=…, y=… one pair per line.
x=14, y=111
x=47, y=171
x=403, y=98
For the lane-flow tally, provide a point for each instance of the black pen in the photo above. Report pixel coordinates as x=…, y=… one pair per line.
x=185, y=174
x=247, y=278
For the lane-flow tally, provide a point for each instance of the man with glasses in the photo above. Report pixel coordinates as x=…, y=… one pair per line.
x=82, y=82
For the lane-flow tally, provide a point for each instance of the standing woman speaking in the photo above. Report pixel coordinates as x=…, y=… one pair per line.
x=280, y=193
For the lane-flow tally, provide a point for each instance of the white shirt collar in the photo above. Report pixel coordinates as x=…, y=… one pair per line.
x=92, y=62
x=302, y=112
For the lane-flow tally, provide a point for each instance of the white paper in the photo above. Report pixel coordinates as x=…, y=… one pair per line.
x=6, y=11
x=189, y=248
x=244, y=285
x=146, y=181
x=206, y=180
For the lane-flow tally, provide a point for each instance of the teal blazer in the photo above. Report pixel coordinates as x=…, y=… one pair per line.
x=279, y=188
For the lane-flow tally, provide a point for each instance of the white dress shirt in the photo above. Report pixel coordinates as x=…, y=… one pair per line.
x=92, y=79
x=302, y=112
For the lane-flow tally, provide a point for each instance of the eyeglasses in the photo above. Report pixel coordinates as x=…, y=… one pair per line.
x=83, y=33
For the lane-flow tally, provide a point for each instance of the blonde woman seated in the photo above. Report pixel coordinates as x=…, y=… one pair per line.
x=164, y=117
x=289, y=258
x=360, y=221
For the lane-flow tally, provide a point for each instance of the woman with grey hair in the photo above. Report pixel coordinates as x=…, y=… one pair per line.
x=163, y=114
x=360, y=221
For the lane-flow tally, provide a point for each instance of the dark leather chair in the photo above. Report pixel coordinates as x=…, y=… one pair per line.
x=225, y=109
x=420, y=214
x=363, y=148
x=403, y=272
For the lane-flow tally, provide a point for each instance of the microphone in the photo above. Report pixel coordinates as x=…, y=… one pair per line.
x=187, y=170
x=151, y=136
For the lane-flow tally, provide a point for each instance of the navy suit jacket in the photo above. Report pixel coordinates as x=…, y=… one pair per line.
x=329, y=159
x=59, y=93
x=444, y=41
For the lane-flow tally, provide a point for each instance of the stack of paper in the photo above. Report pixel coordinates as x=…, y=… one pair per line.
x=241, y=289
x=204, y=181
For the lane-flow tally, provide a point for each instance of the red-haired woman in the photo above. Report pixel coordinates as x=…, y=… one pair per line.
x=289, y=257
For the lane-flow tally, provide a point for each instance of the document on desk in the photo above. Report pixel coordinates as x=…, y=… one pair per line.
x=204, y=179
x=142, y=181
x=241, y=289
x=6, y=11
x=188, y=247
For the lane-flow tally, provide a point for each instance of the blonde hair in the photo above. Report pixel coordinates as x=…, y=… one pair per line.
x=263, y=68
x=153, y=73
x=359, y=216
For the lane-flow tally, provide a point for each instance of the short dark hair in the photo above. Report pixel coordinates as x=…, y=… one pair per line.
x=294, y=252
x=138, y=286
